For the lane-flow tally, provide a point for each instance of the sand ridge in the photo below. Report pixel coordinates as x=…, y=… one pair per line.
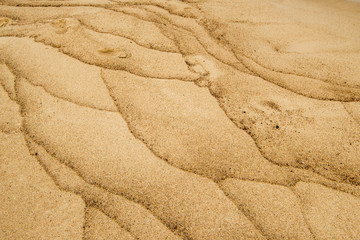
x=187, y=119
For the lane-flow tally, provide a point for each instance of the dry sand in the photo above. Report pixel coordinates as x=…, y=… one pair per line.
x=168, y=119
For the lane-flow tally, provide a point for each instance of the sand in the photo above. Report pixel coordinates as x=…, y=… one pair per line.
x=193, y=119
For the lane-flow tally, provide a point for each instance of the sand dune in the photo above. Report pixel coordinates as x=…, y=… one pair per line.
x=194, y=119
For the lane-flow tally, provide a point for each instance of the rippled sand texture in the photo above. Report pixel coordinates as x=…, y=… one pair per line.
x=168, y=119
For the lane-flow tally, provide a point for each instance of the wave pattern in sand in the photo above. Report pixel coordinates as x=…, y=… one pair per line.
x=189, y=119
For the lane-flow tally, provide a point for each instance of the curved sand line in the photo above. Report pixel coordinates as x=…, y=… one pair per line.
x=260, y=142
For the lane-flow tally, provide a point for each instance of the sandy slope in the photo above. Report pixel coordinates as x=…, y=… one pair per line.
x=194, y=119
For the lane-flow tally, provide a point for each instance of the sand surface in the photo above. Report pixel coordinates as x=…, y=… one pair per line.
x=169, y=119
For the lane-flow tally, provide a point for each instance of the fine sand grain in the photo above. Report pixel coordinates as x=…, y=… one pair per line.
x=180, y=119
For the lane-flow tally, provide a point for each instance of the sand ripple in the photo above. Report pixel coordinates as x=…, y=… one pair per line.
x=181, y=119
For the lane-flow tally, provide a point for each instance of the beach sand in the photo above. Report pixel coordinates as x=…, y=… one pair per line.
x=169, y=119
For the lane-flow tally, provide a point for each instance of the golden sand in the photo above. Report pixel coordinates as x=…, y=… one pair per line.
x=169, y=119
